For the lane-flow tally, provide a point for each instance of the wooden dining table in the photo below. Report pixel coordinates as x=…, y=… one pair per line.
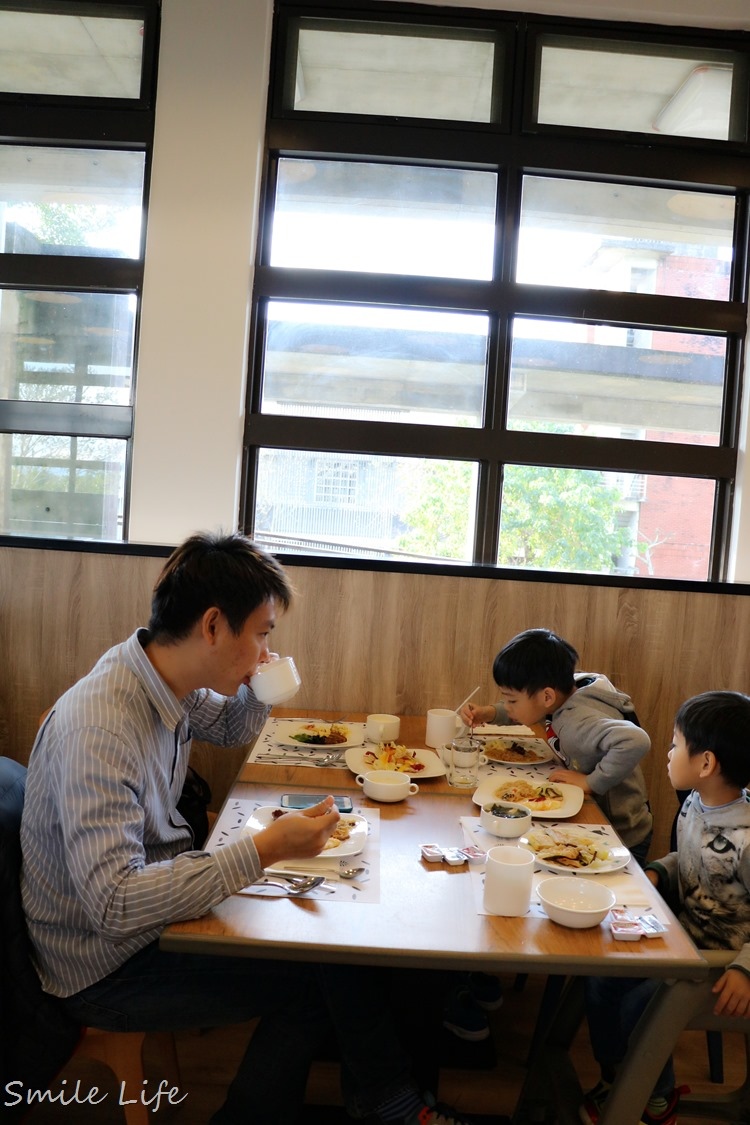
x=426, y=917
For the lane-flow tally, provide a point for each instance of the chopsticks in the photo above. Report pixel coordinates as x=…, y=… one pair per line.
x=468, y=697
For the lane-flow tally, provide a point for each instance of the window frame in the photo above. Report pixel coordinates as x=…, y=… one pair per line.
x=512, y=146
x=78, y=122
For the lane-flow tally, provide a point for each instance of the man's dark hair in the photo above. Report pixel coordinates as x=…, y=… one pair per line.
x=535, y=659
x=226, y=571
x=719, y=721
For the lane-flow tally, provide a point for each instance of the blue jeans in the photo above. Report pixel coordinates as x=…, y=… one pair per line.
x=302, y=1006
x=613, y=1007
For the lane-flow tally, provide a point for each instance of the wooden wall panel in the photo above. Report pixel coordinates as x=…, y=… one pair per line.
x=381, y=641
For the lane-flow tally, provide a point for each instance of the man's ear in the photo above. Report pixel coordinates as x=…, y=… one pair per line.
x=210, y=624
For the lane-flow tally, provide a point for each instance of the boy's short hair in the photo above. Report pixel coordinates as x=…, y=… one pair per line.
x=719, y=721
x=226, y=571
x=535, y=659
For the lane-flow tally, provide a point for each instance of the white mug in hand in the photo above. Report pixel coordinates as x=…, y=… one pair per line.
x=276, y=681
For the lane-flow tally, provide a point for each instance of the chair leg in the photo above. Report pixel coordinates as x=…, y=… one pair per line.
x=122, y=1052
x=715, y=1056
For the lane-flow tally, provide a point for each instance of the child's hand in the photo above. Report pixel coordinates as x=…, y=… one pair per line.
x=733, y=989
x=474, y=714
x=571, y=777
x=653, y=877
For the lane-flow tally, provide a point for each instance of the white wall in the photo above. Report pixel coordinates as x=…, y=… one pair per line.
x=211, y=104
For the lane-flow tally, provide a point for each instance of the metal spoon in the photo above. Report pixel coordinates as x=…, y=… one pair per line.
x=331, y=759
x=293, y=884
x=348, y=872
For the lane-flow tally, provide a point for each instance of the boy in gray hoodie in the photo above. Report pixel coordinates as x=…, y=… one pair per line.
x=590, y=725
x=706, y=881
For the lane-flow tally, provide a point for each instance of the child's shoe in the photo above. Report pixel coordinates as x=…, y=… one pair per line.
x=486, y=990
x=593, y=1103
x=464, y=1018
x=666, y=1116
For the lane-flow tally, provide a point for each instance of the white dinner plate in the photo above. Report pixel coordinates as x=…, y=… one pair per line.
x=285, y=730
x=538, y=747
x=616, y=855
x=432, y=766
x=486, y=791
x=263, y=816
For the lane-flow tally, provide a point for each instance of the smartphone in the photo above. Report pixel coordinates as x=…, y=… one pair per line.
x=305, y=800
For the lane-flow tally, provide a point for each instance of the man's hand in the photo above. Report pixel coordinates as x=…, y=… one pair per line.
x=571, y=777
x=474, y=714
x=297, y=835
x=733, y=990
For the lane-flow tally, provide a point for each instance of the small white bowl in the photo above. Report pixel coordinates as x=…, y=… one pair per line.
x=505, y=826
x=578, y=903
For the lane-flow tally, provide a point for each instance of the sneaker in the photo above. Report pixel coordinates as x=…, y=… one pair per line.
x=593, y=1106
x=436, y=1113
x=465, y=1019
x=668, y=1116
x=486, y=990
x=593, y=1103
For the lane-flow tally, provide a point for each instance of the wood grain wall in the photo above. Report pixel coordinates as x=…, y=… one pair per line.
x=376, y=641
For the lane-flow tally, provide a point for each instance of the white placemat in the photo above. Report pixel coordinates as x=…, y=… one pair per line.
x=628, y=889
x=267, y=751
x=231, y=821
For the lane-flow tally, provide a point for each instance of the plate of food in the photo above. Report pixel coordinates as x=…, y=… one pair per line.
x=517, y=750
x=349, y=836
x=576, y=849
x=554, y=800
x=394, y=756
x=308, y=734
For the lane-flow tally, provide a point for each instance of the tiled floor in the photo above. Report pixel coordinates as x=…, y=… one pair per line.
x=208, y=1060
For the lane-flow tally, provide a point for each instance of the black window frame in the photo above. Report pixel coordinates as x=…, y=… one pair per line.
x=513, y=145
x=89, y=123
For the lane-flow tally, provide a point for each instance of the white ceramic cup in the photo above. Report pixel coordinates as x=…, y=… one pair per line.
x=507, y=880
x=382, y=728
x=276, y=681
x=386, y=785
x=465, y=755
x=442, y=726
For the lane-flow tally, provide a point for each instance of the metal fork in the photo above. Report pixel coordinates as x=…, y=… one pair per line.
x=332, y=758
x=293, y=884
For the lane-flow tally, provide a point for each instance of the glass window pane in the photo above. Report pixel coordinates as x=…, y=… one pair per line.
x=85, y=202
x=606, y=381
x=606, y=523
x=360, y=505
x=388, y=365
x=62, y=486
x=66, y=347
x=384, y=218
x=604, y=84
x=625, y=237
x=80, y=56
x=394, y=70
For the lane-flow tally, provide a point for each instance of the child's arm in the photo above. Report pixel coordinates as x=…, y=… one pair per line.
x=474, y=714
x=733, y=991
x=620, y=745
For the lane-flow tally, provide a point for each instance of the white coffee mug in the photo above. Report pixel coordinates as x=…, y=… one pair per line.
x=276, y=681
x=507, y=880
x=442, y=726
x=386, y=785
x=382, y=728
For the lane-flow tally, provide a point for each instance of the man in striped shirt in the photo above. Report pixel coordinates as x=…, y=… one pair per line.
x=108, y=861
